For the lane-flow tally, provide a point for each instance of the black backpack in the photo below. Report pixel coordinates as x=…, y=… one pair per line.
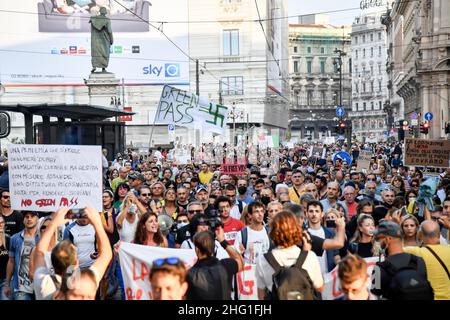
x=244, y=237
x=208, y=283
x=290, y=279
x=406, y=282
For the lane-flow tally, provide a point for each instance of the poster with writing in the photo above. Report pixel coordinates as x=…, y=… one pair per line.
x=237, y=169
x=48, y=177
x=185, y=109
x=363, y=162
x=332, y=287
x=136, y=262
x=427, y=153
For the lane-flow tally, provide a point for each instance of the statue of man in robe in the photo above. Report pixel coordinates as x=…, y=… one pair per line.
x=101, y=40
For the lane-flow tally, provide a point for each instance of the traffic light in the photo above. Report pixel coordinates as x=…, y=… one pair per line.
x=411, y=130
x=340, y=128
x=424, y=126
x=447, y=127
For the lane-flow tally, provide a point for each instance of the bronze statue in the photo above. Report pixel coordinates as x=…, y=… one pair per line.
x=101, y=40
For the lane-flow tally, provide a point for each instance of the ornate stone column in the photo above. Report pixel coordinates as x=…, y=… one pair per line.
x=102, y=86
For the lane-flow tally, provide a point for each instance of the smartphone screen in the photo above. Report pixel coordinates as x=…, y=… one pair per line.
x=330, y=224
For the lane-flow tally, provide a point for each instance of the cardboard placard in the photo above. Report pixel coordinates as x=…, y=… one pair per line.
x=427, y=153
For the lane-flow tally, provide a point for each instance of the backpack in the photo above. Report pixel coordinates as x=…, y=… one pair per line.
x=290, y=279
x=406, y=282
x=208, y=283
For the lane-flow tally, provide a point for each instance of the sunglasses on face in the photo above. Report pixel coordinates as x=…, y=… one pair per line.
x=171, y=261
x=5, y=197
x=145, y=194
x=183, y=220
x=195, y=211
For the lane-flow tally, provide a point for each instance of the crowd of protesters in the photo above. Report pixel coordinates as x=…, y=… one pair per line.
x=296, y=225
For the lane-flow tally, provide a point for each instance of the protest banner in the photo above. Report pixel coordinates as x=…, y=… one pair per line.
x=363, y=162
x=332, y=288
x=237, y=169
x=185, y=109
x=136, y=262
x=427, y=153
x=48, y=177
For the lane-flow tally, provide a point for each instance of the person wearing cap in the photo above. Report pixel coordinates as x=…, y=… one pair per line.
x=202, y=196
x=305, y=167
x=389, y=235
x=18, y=285
x=136, y=181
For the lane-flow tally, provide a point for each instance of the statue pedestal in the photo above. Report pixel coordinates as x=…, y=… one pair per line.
x=102, y=86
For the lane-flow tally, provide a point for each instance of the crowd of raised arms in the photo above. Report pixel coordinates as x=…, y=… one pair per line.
x=311, y=214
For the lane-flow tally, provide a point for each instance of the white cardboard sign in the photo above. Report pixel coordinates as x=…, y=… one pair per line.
x=48, y=177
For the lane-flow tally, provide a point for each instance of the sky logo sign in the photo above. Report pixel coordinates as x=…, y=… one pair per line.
x=172, y=70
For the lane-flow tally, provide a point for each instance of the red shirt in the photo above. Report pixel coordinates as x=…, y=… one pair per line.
x=231, y=228
x=351, y=210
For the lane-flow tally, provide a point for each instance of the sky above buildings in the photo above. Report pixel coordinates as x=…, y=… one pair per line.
x=349, y=9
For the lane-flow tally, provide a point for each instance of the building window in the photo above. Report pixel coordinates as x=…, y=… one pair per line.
x=231, y=42
x=309, y=66
x=355, y=107
x=371, y=70
x=356, y=39
x=371, y=105
x=322, y=50
x=379, y=35
x=309, y=97
x=356, y=71
x=364, y=87
x=356, y=87
x=379, y=105
x=379, y=51
x=322, y=66
x=371, y=37
x=231, y=86
x=336, y=97
x=371, y=52
x=356, y=54
x=308, y=49
x=379, y=68
x=296, y=66
x=364, y=53
x=364, y=38
x=379, y=85
x=323, y=97
x=371, y=86
x=364, y=106
x=295, y=49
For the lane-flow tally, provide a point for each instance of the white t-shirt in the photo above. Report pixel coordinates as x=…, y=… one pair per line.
x=128, y=230
x=84, y=240
x=257, y=244
x=221, y=253
x=323, y=259
x=287, y=257
x=234, y=213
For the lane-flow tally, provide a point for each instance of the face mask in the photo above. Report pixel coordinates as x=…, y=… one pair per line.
x=265, y=200
x=242, y=190
x=182, y=224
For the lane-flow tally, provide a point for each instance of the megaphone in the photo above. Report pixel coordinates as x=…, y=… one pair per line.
x=165, y=223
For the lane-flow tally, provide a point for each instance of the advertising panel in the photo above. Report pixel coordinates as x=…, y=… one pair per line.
x=49, y=42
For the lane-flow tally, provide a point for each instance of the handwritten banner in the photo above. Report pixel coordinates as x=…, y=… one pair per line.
x=136, y=262
x=332, y=289
x=429, y=153
x=363, y=162
x=237, y=169
x=186, y=109
x=48, y=177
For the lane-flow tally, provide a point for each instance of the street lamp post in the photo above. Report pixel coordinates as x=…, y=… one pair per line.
x=233, y=114
x=348, y=122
